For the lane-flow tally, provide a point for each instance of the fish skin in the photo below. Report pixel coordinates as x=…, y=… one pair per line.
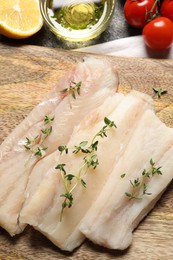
x=14, y=161
x=45, y=217
x=113, y=217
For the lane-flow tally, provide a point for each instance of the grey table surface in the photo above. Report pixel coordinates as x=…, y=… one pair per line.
x=117, y=29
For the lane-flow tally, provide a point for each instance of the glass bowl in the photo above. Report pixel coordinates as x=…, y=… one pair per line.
x=77, y=20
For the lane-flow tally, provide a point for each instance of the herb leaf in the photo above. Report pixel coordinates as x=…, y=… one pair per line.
x=91, y=161
x=48, y=119
x=160, y=91
x=63, y=148
x=61, y=167
x=47, y=131
x=123, y=175
x=83, y=183
x=38, y=151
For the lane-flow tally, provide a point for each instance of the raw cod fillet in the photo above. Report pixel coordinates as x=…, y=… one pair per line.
x=114, y=215
x=17, y=164
x=97, y=82
x=46, y=217
x=46, y=163
x=117, y=194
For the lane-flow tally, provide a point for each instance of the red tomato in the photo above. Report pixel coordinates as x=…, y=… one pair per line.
x=166, y=9
x=158, y=34
x=137, y=12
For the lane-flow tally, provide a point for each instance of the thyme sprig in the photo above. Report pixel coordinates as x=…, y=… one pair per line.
x=39, y=151
x=36, y=145
x=31, y=142
x=48, y=119
x=139, y=185
x=159, y=91
x=47, y=130
x=73, y=90
x=63, y=148
x=90, y=160
x=154, y=169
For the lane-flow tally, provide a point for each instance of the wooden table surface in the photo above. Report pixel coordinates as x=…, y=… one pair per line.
x=27, y=73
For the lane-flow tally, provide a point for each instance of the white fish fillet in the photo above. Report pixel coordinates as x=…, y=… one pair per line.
x=105, y=211
x=97, y=82
x=45, y=217
x=35, y=117
x=113, y=217
x=94, y=77
x=47, y=162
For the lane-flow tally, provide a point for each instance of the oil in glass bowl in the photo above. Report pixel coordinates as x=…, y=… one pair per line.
x=77, y=20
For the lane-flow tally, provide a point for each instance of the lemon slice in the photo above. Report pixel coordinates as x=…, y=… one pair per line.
x=20, y=18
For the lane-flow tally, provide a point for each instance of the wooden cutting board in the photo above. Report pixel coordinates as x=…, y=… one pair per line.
x=27, y=73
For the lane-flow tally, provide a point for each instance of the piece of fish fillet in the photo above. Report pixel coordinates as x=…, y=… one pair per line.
x=98, y=80
x=45, y=217
x=114, y=215
x=95, y=74
x=46, y=163
x=46, y=106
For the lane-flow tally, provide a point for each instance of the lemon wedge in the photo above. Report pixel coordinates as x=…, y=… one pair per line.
x=20, y=18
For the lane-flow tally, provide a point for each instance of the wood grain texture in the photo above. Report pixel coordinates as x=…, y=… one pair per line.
x=27, y=73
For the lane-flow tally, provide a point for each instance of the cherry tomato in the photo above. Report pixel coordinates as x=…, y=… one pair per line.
x=158, y=34
x=137, y=12
x=166, y=9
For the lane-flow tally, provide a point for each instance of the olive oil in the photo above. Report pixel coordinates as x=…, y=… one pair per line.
x=77, y=20
x=79, y=14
